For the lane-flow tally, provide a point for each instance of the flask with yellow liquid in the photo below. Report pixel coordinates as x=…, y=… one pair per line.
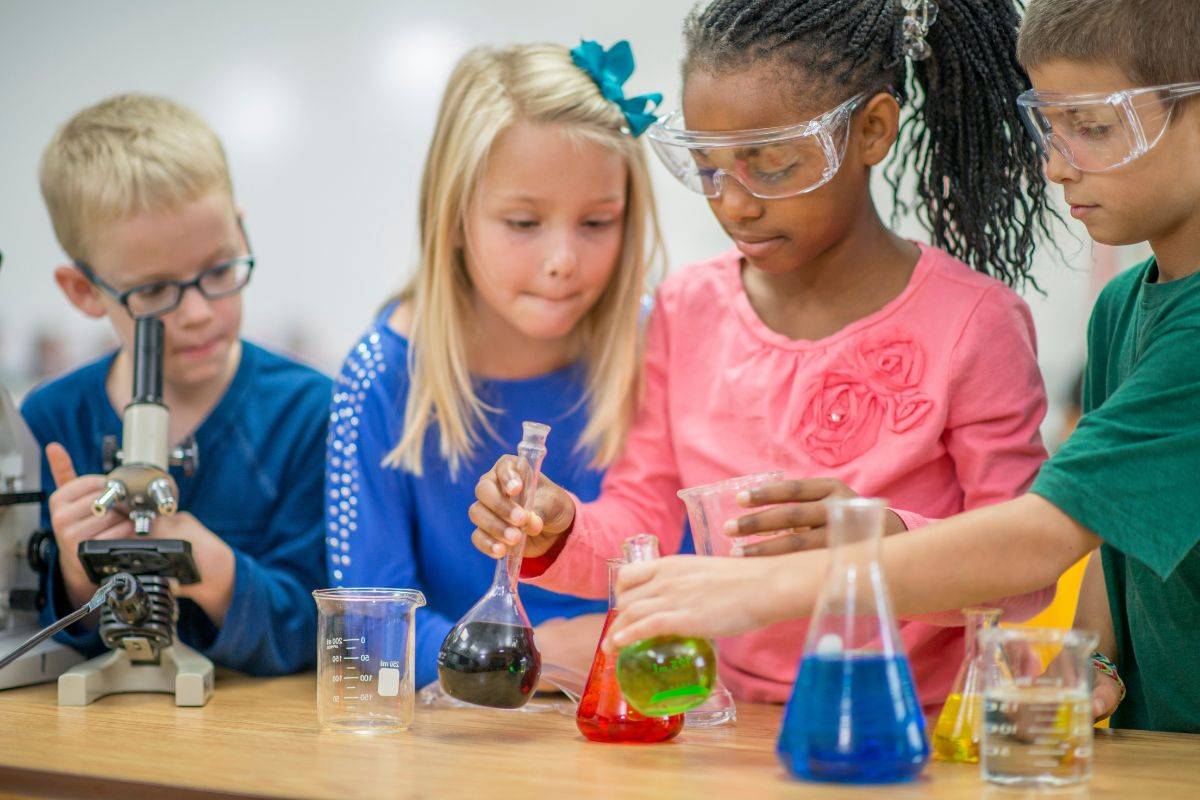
x=957, y=732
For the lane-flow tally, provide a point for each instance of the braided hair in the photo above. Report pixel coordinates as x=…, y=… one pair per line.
x=979, y=177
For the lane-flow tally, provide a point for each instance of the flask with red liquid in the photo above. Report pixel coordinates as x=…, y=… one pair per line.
x=603, y=714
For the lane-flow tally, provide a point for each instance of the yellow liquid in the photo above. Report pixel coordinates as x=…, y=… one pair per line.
x=956, y=734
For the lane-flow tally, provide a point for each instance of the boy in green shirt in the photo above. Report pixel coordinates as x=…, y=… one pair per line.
x=1116, y=111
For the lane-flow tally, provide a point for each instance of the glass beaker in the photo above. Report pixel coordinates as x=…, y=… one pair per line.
x=957, y=732
x=666, y=674
x=1037, y=706
x=365, y=651
x=853, y=715
x=489, y=657
x=708, y=508
x=603, y=714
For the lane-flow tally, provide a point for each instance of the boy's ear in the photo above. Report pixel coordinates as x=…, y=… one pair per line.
x=879, y=125
x=80, y=291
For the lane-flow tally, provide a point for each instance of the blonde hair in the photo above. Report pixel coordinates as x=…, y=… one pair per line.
x=123, y=156
x=489, y=90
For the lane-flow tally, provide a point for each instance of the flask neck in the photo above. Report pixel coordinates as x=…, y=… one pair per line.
x=854, y=528
x=643, y=547
x=508, y=569
x=978, y=619
x=853, y=610
x=614, y=568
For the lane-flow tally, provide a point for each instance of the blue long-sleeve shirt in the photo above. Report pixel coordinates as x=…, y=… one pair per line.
x=258, y=487
x=388, y=528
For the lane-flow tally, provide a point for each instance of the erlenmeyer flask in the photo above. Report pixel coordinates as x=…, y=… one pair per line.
x=959, y=727
x=853, y=716
x=604, y=715
x=666, y=674
x=489, y=657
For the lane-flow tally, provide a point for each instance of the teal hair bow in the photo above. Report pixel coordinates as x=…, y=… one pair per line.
x=610, y=69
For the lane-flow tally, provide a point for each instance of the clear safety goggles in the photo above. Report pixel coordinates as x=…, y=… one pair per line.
x=769, y=163
x=1099, y=132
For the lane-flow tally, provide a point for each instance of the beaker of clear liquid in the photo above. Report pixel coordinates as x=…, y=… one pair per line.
x=1037, y=706
x=365, y=653
x=489, y=657
x=853, y=716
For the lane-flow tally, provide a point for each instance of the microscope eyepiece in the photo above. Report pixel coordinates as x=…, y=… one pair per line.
x=148, y=361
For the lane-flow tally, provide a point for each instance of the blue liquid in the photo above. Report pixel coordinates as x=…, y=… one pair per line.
x=853, y=719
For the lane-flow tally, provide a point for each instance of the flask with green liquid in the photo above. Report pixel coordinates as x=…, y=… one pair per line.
x=664, y=675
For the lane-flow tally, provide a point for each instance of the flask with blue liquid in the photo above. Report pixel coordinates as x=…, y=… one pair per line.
x=854, y=716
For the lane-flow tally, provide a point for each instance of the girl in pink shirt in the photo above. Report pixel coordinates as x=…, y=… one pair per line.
x=824, y=344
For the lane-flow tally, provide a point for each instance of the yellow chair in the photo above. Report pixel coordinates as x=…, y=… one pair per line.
x=1061, y=611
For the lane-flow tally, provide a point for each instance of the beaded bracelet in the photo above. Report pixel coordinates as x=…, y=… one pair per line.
x=1102, y=664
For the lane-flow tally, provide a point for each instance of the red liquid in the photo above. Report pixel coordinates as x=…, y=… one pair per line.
x=603, y=714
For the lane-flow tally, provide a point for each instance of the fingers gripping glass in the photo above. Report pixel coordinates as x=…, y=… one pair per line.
x=769, y=163
x=157, y=298
x=1099, y=132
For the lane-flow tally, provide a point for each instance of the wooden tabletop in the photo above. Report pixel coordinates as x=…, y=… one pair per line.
x=259, y=738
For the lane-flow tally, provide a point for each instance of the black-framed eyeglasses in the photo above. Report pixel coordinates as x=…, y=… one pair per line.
x=157, y=298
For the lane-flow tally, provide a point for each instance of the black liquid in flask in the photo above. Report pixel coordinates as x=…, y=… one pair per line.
x=490, y=664
x=489, y=657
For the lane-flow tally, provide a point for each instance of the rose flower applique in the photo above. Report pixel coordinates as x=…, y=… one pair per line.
x=878, y=381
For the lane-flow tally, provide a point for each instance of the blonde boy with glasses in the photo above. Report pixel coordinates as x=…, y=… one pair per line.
x=141, y=200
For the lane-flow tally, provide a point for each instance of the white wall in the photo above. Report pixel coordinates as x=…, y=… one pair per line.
x=325, y=110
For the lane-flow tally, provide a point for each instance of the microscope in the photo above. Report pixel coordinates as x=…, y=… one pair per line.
x=145, y=655
x=24, y=554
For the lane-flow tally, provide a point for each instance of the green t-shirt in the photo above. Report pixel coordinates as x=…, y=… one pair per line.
x=1131, y=474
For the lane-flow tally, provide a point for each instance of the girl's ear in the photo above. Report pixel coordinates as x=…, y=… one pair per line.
x=878, y=126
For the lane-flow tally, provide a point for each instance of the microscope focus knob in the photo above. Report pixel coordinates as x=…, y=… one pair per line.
x=163, y=497
x=37, y=552
x=113, y=493
x=186, y=455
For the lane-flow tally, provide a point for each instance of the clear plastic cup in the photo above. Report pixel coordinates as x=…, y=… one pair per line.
x=1037, y=706
x=710, y=506
x=365, y=652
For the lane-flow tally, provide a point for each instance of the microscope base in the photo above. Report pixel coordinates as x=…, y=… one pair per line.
x=41, y=664
x=181, y=671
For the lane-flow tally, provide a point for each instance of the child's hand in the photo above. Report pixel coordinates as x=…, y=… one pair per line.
x=1106, y=696
x=569, y=643
x=499, y=520
x=800, y=520
x=693, y=596
x=214, y=560
x=73, y=522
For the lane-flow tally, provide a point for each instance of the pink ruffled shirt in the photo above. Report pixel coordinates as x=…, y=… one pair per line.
x=933, y=402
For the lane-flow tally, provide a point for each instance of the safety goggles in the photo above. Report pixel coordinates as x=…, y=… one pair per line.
x=1099, y=132
x=769, y=163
